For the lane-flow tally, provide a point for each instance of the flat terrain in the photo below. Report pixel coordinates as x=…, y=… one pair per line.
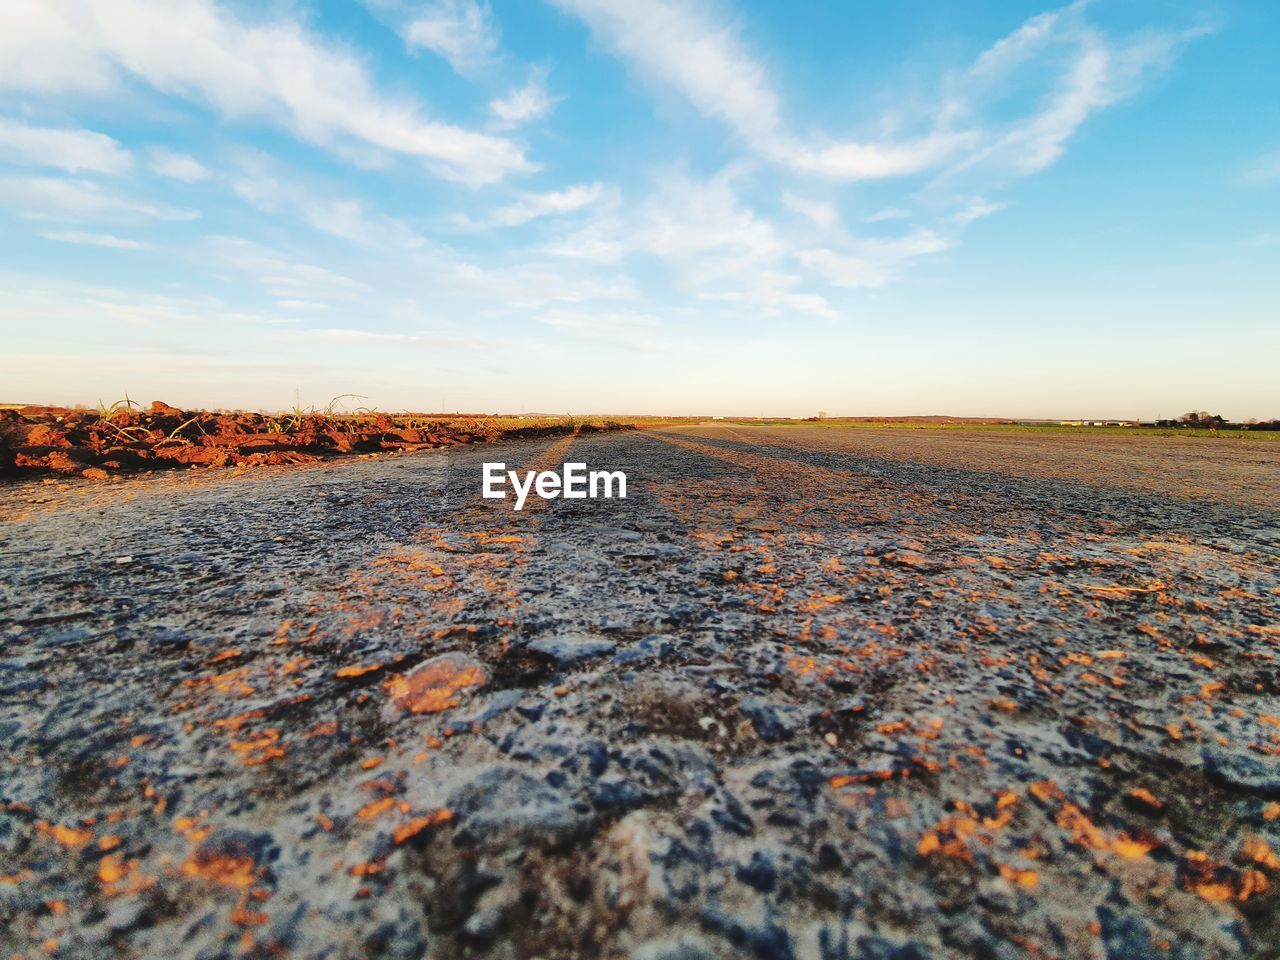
x=811, y=693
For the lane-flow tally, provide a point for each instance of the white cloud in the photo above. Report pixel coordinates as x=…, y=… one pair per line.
x=704, y=230
x=871, y=262
x=623, y=330
x=603, y=240
x=283, y=277
x=1263, y=169
x=821, y=213
x=94, y=239
x=351, y=220
x=716, y=247
x=1039, y=141
x=269, y=187
x=555, y=203
x=775, y=292
x=524, y=103
x=85, y=307
x=530, y=285
x=839, y=270
x=178, y=166
x=72, y=150
x=54, y=198
x=1096, y=72
x=1017, y=48
x=865, y=161
x=272, y=69
x=301, y=305
x=976, y=209
x=460, y=31
x=47, y=46
x=682, y=47
x=888, y=213
x=346, y=335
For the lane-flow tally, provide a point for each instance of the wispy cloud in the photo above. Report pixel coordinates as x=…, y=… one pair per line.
x=1093, y=72
x=535, y=205
x=94, y=239
x=1263, y=169
x=680, y=46
x=525, y=103
x=975, y=209
x=72, y=199
x=774, y=292
x=871, y=262
x=628, y=331
x=274, y=69
x=822, y=213
x=71, y=150
x=888, y=213
x=178, y=166
x=267, y=185
x=287, y=279
x=714, y=246
x=463, y=32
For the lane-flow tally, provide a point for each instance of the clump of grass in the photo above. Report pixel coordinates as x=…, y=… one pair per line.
x=106, y=420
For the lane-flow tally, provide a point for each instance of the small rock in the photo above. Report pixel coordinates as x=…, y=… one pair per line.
x=907, y=558
x=570, y=650
x=1126, y=937
x=760, y=873
x=531, y=709
x=682, y=949
x=1242, y=771
x=878, y=948
x=436, y=685
x=503, y=805
x=124, y=915
x=772, y=722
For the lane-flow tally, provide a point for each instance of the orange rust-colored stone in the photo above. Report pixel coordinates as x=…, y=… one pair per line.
x=112, y=869
x=376, y=808
x=407, y=831
x=358, y=670
x=435, y=685
x=67, y=836
x=226, y=871
x=1023, y=878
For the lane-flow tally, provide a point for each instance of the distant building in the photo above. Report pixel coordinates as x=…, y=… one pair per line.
x=1098, y=423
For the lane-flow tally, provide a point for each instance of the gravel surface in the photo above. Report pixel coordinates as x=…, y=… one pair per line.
x=807, y=693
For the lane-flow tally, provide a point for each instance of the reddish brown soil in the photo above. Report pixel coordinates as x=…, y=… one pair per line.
x=94, y=444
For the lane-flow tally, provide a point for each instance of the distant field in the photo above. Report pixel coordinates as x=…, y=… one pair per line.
x=1229, y=435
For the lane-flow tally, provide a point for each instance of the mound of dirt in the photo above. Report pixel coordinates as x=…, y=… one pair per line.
x=96, y=444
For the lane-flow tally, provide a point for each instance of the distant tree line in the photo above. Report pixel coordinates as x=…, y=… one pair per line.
x=1203, y=419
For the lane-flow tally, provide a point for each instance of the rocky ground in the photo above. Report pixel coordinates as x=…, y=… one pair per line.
x=807, y=693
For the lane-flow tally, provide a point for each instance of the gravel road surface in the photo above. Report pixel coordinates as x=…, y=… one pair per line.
x=805, y=693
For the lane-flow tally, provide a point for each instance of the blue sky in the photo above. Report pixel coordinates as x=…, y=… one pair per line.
x=670, y=206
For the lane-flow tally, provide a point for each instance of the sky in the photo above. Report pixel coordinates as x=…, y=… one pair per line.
x=666, y=207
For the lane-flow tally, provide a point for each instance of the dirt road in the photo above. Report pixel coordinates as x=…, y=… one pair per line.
x=806, y=693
